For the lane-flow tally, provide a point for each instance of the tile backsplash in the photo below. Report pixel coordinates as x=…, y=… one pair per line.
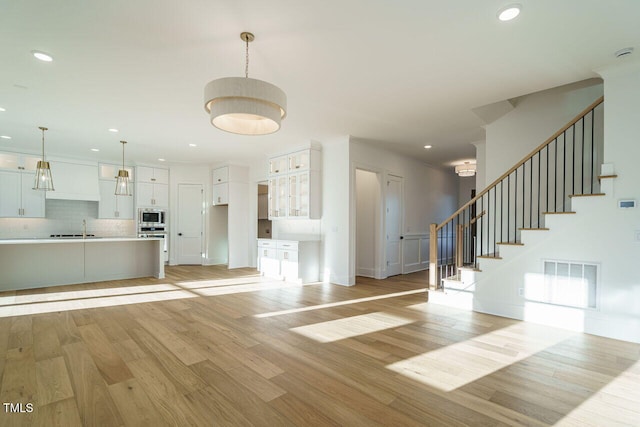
x=65, y=217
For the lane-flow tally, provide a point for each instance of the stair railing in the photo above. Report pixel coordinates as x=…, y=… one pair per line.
x=542, y=182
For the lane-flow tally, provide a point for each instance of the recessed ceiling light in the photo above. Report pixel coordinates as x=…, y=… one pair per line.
x=428, y=147
x=161, y=160
x=45, y=57
x=2, y=109
x=95, y=149
x=114, y=130
x=5, y=137
x=508, y=13
x=193, y=145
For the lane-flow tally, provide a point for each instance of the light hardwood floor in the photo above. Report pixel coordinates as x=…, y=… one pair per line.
x=210, y=347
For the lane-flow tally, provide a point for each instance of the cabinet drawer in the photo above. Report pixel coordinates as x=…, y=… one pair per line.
x=267, y=252
x=289, y=245
x=264, y=243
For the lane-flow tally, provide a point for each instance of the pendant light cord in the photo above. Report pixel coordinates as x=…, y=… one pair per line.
x=43, y=129
x=246, y=64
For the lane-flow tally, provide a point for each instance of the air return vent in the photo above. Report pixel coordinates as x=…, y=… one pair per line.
x=567, y=283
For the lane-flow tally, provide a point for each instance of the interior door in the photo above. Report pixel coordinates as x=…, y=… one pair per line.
x=190, y=223
x=393, y=225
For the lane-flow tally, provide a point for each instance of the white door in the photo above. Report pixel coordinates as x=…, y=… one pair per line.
x=393, y=225
x=190, y=215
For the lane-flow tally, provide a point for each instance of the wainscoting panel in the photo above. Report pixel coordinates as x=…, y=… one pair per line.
x=415, y=253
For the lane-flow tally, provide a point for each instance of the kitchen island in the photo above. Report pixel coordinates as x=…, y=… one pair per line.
x=36, y=263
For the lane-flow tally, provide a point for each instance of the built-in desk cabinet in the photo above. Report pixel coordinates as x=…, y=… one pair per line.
x=289, y=260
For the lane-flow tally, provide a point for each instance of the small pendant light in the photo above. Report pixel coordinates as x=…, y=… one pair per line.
x=43, y=181
x=122, y=181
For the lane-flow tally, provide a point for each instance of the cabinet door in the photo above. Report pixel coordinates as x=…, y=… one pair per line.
x=161, y=176
x=272, y=208
x=221, y=175
x=221, y=194
x=144, y=174
x=107, y=205
x=10, y=194
x=124, y=207
x=32, y=200
x=9, y=161
x=282, y=194
x=144, y=193
x=106, y=171
x=161, y=195
x=278, y=165
x=299, y=195
x=299, y=161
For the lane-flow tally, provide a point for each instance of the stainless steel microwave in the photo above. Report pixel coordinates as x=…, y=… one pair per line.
x=152, y=217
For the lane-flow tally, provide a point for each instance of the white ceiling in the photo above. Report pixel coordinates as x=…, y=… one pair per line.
x=399, y=74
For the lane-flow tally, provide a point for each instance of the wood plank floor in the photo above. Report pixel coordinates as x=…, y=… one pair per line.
x=212, y=347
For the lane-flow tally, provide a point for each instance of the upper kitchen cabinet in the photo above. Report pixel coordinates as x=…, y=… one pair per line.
x=225, y=180
x=152, y=187
x=279, y=165
x=18, y=199
x=297, y=192
x=112, y=206
x=74, y=180
x=109, y=171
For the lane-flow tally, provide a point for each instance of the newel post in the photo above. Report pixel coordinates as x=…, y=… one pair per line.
x=433, y=256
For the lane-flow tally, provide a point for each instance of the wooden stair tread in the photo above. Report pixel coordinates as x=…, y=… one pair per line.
x=557, y=213
x=533, y=229
x=490, y=256
x=510, y=243
x=470, y=269
x=586, y=195
x=607, y=176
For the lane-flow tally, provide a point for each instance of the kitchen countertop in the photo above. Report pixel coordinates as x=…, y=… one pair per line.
x=38, y=240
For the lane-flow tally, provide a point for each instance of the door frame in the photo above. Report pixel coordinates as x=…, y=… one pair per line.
x=387, y=176
x=202, y=222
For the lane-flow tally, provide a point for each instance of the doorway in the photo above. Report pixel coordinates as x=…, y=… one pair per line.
x=393, y=225
x=368, y=224
x=264, y=223
x=190, y=223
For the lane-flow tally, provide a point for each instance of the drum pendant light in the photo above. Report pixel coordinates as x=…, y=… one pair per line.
x=122, y=180
x=44, y=180
x=243, y=105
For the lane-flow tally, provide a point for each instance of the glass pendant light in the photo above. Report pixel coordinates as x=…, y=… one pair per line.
x=122, y=180
x=43, y=181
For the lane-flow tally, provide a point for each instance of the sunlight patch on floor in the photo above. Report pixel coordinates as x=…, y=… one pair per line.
x=348, y=327
x=453, y=366
x=49, y=302
x=611, y=404
x=339, y=303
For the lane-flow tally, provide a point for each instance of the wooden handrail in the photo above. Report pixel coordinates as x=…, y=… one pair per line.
x=524, y=160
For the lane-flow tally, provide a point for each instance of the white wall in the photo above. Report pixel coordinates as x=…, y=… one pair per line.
x=367, y=222
x=599, y=233
x=535, y=118
x=481, y=165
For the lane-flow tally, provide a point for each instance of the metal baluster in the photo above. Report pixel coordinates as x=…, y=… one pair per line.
x=573, y=160
x=582, y=172
x=593, y=152
x=530, y=195
x=508, y=207
x=495, y=246
x=539, y=180
x=555, y=175
x=564, y=168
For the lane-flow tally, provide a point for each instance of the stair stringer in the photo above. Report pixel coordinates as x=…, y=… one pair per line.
x=597, y=233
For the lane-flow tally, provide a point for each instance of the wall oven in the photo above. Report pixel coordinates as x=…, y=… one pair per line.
x=152, y=217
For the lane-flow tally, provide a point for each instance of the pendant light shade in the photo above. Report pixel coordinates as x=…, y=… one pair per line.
x=123, y=187
x=44, y=180
x=243, y=105
x=467, y=169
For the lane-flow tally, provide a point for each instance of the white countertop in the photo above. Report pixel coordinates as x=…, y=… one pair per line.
x=39, y=240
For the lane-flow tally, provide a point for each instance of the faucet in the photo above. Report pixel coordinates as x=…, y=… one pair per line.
x=84, y=228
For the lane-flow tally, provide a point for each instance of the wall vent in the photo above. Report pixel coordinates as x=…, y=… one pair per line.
x=567, y=283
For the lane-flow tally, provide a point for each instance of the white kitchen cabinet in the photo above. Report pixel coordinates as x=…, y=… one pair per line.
x=18, y=199
x=299, y=195
x=152, y=175
x=151, y=194
x=221, y=175
x=152, y=187
x=278, y=196
x=289, y=260
x=221, y=194
x=112, y=206
x=279, y=165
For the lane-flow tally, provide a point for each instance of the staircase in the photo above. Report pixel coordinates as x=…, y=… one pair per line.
x=536, y=195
